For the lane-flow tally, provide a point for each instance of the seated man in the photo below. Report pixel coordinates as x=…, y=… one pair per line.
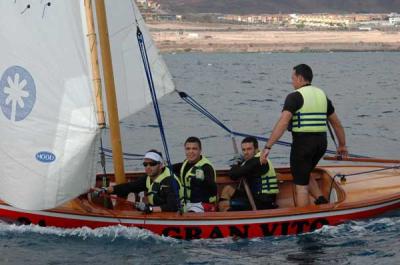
x=157, y=183
x=197, y=176
x=261, y=179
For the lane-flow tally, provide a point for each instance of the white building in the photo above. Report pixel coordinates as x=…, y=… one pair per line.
x=394, y=19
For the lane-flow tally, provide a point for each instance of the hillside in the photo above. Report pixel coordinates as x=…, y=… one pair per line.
x=280, y=6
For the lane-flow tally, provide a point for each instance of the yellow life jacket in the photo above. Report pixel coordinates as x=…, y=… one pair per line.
x=268, y=183
x=155, y=186
x=311, y=117
x=195, y=172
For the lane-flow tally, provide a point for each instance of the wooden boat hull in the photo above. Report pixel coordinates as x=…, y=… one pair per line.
x=361, y=197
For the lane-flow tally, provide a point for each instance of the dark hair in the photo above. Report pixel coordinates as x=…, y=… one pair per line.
x=251, y=139
x=193, y=139
x=155, y=151
x=305, y=71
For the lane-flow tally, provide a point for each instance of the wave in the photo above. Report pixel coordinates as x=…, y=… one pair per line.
x=133, y=233
x=111, y=232
x=365, y=227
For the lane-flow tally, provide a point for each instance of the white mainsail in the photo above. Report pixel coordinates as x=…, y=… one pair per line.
x=49, y=132
x=130, y=78
x=48, y=121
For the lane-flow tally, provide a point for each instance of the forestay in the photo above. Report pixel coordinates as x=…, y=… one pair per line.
x=48, y=121
x=132, y=91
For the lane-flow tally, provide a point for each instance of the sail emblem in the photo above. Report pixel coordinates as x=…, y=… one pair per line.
x=17, y=93
x=45, y=157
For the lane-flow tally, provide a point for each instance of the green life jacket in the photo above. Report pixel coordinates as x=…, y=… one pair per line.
x=311, y=117
x=267, y=183
x=153, y=188
x=191, y=193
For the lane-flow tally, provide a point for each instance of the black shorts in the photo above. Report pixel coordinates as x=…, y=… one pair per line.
x=307, y=149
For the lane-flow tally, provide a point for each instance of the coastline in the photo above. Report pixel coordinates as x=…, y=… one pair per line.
x=196, y=37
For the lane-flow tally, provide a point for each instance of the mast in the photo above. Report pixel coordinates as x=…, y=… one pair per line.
x=110, y=92
x=95, y=63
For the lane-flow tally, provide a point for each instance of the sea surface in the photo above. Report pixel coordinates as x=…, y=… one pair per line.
x=245, y=92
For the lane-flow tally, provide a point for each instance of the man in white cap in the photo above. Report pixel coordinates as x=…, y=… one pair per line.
x=157, y=183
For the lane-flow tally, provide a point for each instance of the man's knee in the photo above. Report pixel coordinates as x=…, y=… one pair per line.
x=225, y=197
x=223, y=206
x=227, y=192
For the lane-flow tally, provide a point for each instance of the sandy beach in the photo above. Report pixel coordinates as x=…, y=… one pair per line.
x=178, y=37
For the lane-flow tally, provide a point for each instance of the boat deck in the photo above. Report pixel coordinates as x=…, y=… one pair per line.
x=364, y=189
x=367, y=187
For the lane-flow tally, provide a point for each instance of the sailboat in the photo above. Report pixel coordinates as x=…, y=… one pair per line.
x=52, y=74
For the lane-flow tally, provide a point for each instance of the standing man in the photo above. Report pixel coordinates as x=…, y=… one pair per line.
x=157, y=184
x=261, y=179
x=306, y=113
x=197, y=176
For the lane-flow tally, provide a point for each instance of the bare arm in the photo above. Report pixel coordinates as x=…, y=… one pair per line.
x=279, y=128
x=340, y=134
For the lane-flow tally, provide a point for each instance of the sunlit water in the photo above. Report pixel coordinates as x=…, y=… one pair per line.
x=246, y=92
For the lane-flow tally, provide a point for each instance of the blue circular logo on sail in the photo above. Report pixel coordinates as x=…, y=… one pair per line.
x=45, y=157
x=17, y=93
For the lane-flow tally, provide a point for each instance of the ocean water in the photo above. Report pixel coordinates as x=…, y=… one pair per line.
x=246, y=93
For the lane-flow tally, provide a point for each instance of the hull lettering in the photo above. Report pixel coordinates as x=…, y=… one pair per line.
x=269, y=232
x=192, y=233
x=236, y=232
x=172, y=232
x=243, y=231
x=215, y=233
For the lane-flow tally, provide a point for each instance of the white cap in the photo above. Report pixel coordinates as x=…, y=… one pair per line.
x=153, y=156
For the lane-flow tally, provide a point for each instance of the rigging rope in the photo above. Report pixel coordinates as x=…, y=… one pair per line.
x=150, y=82
x=191, y=101
x=103, y=163
x=370, y=171
x=332, y=135
x=127, y=156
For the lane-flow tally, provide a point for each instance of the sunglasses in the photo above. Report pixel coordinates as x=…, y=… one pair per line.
x=152, y=164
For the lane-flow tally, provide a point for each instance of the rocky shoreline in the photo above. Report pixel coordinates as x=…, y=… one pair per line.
x=189, y=37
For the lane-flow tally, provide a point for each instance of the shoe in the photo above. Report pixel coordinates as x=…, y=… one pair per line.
x=321, y=200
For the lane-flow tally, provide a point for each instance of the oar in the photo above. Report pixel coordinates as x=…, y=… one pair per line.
x=244, y=181
x=363, y=159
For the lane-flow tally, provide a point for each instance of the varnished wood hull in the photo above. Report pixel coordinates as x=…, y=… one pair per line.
x=362, y=196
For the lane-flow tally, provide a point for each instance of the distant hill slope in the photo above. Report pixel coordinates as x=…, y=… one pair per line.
x=280, y=6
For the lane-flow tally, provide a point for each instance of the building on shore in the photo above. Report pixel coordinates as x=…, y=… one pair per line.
x=323, y=20
x=394, y=19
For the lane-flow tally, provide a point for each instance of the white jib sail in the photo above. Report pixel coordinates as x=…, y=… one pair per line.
x=130, y=78
x=48, y=121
